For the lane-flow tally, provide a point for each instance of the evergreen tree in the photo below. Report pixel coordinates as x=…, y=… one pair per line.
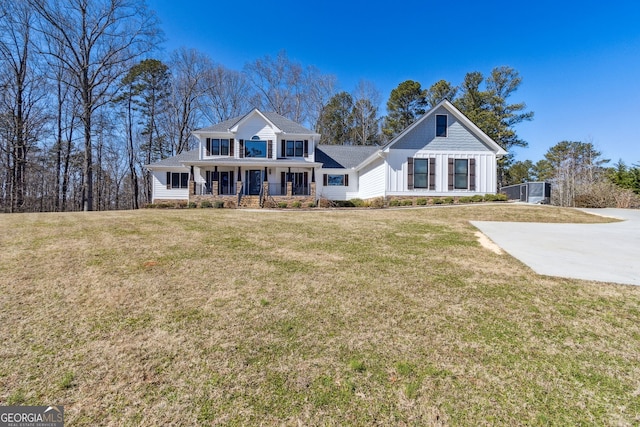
x=440, y=90
x=406, y=103
x=336, y=120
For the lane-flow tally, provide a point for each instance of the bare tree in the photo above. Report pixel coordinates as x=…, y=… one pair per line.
x=285, y=87
x=22, y=95
x=190, y=71
x=100, y=38
x=227, y=94
x=366, y=99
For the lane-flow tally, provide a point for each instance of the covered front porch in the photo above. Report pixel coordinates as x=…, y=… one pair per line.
x=253, y=184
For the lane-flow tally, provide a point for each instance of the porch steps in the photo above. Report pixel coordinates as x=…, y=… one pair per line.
x=250, y=202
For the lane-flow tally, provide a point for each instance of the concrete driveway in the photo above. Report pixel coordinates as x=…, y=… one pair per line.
x=601, y=252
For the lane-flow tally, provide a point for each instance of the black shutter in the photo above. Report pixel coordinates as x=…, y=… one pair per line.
x=325, y=179
x=472, y=174
x=241, y=148
x=306, y=148
x=283, y=148
x=346, y=180
x=269, y=149
x=208, y=180
x=168, y=180
x=231, y=148
x=450, y=174
x=432, y=173
x=410, y=173
x=208, y=146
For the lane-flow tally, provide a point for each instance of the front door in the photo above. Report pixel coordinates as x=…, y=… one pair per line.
x=254, y=181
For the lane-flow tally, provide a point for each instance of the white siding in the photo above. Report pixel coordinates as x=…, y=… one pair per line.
x=160, y=190
x=372, y=180
x=334, y=192
x=254, y=125
x=486, y=179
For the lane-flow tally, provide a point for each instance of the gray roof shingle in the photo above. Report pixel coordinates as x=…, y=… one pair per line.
x=176, y=161
x=343, y=156
x=286, y=125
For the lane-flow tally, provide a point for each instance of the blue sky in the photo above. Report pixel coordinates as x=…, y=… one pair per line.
x=579, y=60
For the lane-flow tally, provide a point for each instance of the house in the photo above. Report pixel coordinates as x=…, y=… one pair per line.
x=264, y=157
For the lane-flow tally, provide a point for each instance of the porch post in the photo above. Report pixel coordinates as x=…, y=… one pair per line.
x=192, y=182
x=289, y=184
x=239, y=182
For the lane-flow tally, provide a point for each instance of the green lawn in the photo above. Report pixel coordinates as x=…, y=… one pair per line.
x=346, y=317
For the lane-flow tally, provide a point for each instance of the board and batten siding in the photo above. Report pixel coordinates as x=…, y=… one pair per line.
x=485, y=173
x=160, y=191
x=372, y=180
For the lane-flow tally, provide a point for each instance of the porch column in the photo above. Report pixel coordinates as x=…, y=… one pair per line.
x=313, y=189
x=265, y=183
x=239, y=181
x=289, y=184
x=192, y=182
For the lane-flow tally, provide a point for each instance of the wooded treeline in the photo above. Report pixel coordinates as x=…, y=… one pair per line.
x=85, y=104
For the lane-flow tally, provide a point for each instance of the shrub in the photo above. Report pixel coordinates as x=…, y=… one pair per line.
x=192, y=205
x=437, y=201
x=358, y=203
x=477, y=198
x=421, y=202
x=181, y=204
x=283, y=205
x=465, y=200
x=218, y=204
x=394, y=202
x=296, y=204
x=406, y=202
x=344, y=204
x=150, y=206
x=377, y=203
x=206, y=204
x=325, y=203
x=448, y=200
x=495, y=197
x=311, y=204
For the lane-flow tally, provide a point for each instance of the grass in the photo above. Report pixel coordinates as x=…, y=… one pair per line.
x=230, y=317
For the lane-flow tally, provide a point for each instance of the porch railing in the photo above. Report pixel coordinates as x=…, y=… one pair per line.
x=280, y=189
x=203, y=189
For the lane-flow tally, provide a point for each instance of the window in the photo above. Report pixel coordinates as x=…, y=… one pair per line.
x=177, y=180
x=335, y=180
x=217, y=147
x=295, y=148
x=253, y=148
x=421, y=173
x=441, y=125
x=461, y=174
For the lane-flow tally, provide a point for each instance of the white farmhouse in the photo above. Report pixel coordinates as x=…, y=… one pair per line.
x=264, y=157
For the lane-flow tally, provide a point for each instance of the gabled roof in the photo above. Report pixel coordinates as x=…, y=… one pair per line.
x=175, y=161
x=445, y=103
x=343, y=156
x=280, y=124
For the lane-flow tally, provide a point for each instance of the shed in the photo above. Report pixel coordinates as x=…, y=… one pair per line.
x=530, y=192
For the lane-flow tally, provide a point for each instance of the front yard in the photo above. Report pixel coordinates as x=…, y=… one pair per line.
x=359, y=317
